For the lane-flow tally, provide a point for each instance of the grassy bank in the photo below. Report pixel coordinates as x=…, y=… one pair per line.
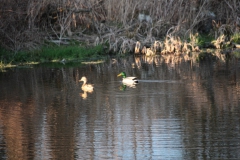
x=51, y=54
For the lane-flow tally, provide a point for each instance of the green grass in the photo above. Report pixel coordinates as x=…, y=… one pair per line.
x=236, y=38
x=66, y=52
x=52, y=54
x=203, y=39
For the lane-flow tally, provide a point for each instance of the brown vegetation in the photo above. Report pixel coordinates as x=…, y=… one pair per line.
x=27, y=24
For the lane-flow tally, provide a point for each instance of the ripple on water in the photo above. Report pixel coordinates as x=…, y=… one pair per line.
x=42, y=115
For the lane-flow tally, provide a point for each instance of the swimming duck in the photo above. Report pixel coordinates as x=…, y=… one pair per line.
x=86, y=87
x=128, y=80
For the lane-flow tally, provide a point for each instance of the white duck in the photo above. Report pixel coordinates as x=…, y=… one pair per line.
x=86, y=87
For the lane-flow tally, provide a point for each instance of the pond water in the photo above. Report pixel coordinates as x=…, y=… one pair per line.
x=178, y=110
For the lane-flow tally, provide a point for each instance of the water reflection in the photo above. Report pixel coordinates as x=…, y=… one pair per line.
x=84, y=94
x=179, y=110
x=124, y=86
x=129, y=85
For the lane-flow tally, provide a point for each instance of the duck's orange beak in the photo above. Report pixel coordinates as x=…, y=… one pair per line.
x=119, y=75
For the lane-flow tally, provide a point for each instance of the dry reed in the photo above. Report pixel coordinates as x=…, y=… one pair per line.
x=28, y=24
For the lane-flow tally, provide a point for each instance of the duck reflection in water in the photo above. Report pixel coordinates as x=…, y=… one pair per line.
x=87, y=88
x=83, y=95
x=124, y=86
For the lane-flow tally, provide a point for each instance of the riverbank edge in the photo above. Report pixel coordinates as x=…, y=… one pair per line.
x=84, y=53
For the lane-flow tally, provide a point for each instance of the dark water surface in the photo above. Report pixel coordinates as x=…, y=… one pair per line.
x=177, y=111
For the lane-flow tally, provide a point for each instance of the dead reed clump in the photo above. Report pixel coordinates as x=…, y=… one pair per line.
x=137, y=48
x=156, y=47
x=144, y=50
x=194, y=42
x=219, y=42
x=172, y=45
x=149, y=52
x=185, y=47
x=153, y=50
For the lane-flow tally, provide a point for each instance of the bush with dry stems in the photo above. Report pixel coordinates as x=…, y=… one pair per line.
x=28, y=24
